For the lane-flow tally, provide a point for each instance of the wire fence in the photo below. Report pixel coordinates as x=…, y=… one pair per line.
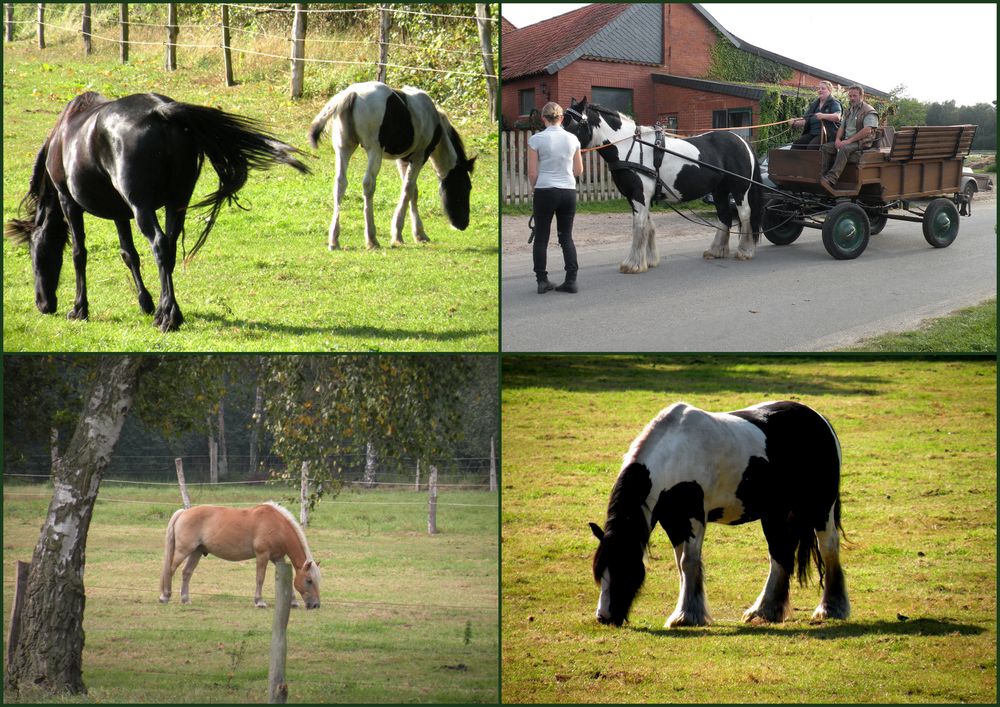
x=257, y=43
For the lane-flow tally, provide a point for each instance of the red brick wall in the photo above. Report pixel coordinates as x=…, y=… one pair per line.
x=694, y=108
x=688, y=39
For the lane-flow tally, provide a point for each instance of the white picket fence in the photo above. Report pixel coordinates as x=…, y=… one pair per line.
x=594, y=185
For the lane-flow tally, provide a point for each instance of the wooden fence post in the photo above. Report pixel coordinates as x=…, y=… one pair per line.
x=227, y=56
x=304, y=496
x=8, y=8
x=179, y=464
x=123, y=21
x=298, y=49
x=493, y=464
x=432, y=503
x=20, y=586
x=86, y=29
x=277, y=688
x=172, y=31
x=41, y=25
x=383, y=40
x=486, y=46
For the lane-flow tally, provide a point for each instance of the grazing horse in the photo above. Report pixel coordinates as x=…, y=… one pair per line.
x=777, y=462
x=405, y=126
x=125, y=159
x=674, y=170
x=267, y=532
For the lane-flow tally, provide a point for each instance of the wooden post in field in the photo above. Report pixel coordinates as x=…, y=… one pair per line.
x=86, y=29
x=41, y=25
x=493, y=464
x=227, y=55
x=123, y=21
x=486, y=46
x=383, y=40
x=172, y=30
x=20, y=585
x=277, y=688
x=298, y=49
x=432, y=503
x=8, y=8
x=179, y=463
x=304, y=496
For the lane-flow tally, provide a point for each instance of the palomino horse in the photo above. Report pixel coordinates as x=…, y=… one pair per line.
x=123, y=160
x=405, y=126
x=776, y=462
x=718, y=163
x=267, y=532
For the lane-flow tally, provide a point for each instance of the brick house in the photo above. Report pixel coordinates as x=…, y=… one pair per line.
x=651, y=61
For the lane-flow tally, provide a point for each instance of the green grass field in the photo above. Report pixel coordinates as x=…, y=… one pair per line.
x=405, y=617
x=264, y=280
x=919, y=510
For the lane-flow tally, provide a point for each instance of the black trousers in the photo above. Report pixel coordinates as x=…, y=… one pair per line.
x=560, y=203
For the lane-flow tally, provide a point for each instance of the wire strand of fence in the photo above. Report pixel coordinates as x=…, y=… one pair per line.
x=251, y=482
x=421, y=504
x=371, y=43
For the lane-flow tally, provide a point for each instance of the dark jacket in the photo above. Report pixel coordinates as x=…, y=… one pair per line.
x=813, y=124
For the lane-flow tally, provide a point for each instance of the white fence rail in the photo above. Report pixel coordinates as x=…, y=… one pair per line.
x=595, y=184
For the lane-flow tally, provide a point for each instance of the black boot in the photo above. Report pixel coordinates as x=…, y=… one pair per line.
x=569, y=285
x=544, y=286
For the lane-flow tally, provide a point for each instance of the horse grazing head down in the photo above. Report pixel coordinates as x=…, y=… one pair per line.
x=456, y=185
x=306, y=583
x=619, y=561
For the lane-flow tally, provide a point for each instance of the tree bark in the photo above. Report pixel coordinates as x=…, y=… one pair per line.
x=50, y=651
x=223, y=455
x=486, y=47
x=258, y=421
x=371, y=464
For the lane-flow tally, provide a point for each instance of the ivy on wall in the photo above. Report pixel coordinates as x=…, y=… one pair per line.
x=731, y=64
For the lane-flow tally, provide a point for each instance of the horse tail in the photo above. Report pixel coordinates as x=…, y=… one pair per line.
x=41, y=190
x=756, y=201
x=234, y=144
x=168, y=550
x=340, y=106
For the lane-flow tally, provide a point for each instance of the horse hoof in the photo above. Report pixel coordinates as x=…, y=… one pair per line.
x=678, y=620
x=714, y=254
x=77, y=314
x=744, y=256
x=260, y=604
x=421, y=238
x=146, y=303
x=630, y=269
x=163, y=599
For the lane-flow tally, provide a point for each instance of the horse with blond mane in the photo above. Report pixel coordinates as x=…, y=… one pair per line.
x=267, y=532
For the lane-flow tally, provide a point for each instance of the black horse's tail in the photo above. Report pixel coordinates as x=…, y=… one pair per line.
x=809, y=546
x=41, y=192
x=756, y=202
x=234, y=144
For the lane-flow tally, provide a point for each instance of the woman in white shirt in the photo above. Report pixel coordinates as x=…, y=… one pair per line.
x=554, y=161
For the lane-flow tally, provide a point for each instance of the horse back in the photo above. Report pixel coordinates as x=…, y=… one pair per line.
x=229, y=533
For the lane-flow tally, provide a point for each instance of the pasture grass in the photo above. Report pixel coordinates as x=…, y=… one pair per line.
x=264, y=280
x=973, y=330
x=919, y=511
x=405, y=617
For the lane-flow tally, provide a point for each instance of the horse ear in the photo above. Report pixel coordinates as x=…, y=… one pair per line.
x=472, y=164
x=306, y=566
x=596, y=530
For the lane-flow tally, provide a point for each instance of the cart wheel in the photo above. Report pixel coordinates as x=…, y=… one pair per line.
x=940, y=223
x=878, y=222
x=776, y=226
x=845, y=231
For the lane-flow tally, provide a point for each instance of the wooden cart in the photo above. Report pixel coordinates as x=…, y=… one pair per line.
x=915, y=163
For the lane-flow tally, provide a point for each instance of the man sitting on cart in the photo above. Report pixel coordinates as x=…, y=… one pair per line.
x=856, y=132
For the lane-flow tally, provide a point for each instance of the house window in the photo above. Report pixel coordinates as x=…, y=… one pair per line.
x=668, y=121
x=526, y=101
x=619, y=99
x=733, y=118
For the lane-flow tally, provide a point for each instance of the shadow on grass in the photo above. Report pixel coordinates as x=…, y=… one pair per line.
x=688, y=373
x=827, y=631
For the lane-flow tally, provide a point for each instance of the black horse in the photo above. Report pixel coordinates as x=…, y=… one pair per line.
x=125, y=159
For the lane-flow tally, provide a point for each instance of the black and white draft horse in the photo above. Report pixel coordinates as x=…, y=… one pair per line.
x=403, y=125
x=777, y=462
x=641, y=172
x=123, y=160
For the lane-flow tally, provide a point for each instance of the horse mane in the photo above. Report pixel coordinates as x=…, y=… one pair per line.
x=625, y=516
x=298, y=530
x=615, y=115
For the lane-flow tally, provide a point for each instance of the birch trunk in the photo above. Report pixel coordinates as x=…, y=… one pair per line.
x=50, y=651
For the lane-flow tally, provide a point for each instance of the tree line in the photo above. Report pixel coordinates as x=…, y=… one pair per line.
x=910, y=111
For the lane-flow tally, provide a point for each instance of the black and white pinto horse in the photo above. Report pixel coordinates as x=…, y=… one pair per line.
x=123, y=160
x=642, y=172
x=777, y=462
x=403, y=125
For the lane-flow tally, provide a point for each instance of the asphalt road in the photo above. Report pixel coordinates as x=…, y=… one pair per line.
x=788, y=298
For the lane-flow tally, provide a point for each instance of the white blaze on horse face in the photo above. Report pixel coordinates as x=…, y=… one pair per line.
x=604, y=600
